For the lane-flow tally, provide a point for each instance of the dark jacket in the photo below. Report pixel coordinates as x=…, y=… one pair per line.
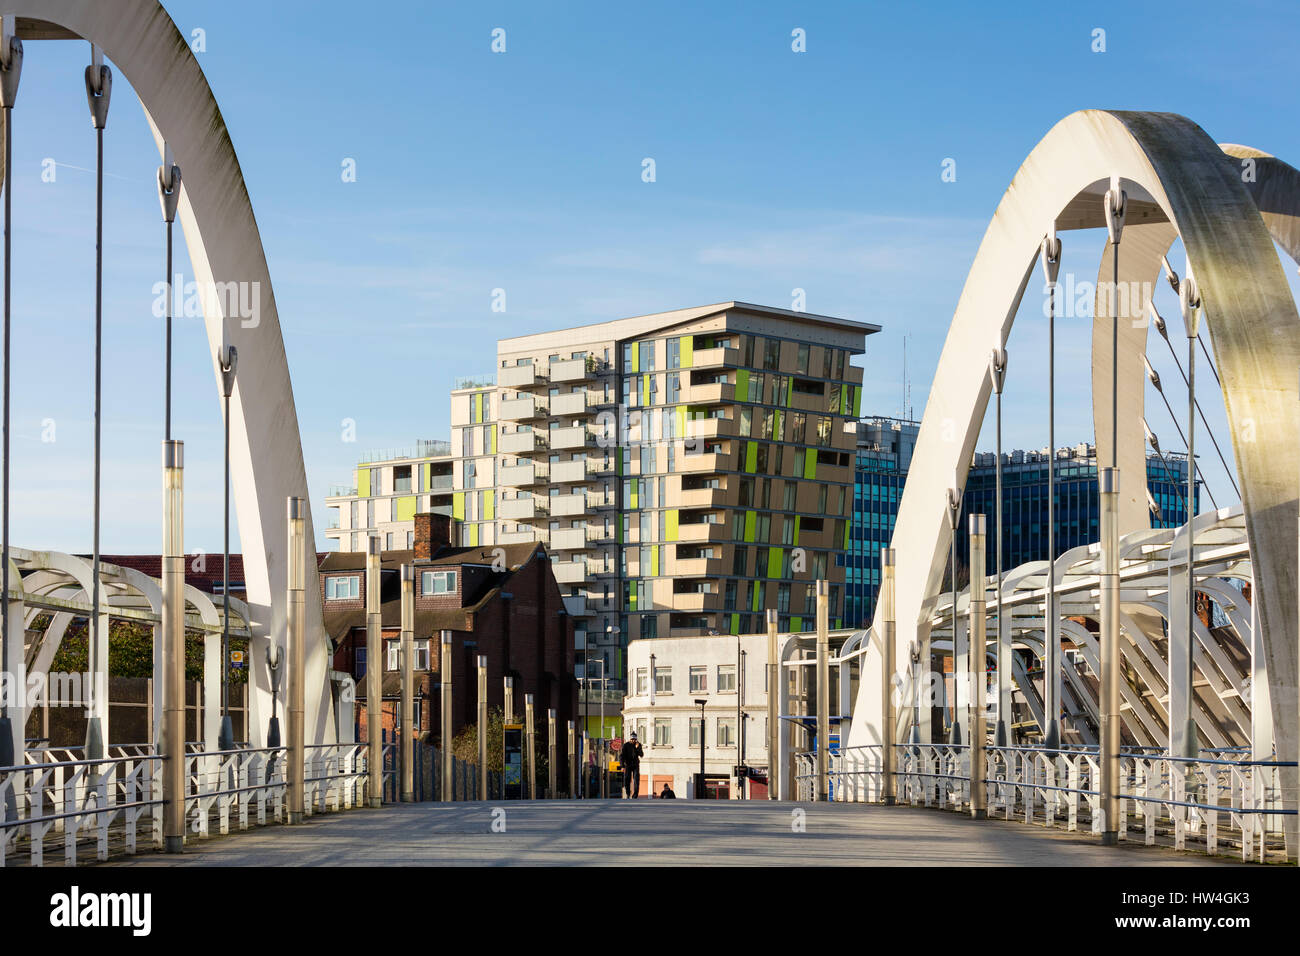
x=631, y=754
x=667, y=794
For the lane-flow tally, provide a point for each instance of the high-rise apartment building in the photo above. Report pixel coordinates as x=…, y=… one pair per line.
x=686, y=470
x=388, y=488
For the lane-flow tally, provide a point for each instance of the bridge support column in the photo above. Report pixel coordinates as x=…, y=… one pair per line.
x=823, y=692
x=173, y=646
x=888, y=665
x=297, y=639
x=1110, y=655
x=977, y=661
x=407, y=729
x=374, y=675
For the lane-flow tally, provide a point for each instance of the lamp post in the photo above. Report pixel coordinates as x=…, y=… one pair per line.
x=226, y=736
x=774, y=687
x=998, y=373
x=699, y=781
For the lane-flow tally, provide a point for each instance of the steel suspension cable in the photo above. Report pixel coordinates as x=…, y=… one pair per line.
x=99, y=83
x=1154, y=378
x=1159, y=323
x=11, y=64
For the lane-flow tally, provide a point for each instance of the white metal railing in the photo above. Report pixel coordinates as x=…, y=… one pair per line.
x=1218, y=798
x=60, y=795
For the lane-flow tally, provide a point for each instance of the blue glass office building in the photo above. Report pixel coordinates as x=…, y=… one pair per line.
x=884, y=454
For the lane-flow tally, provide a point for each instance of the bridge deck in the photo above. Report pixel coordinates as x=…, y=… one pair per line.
x=648, y=832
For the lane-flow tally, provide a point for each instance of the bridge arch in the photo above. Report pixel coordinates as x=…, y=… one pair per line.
x=216, y=215
x=1178, y=182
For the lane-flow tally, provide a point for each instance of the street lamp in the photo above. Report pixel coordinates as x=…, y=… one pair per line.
x=699, y=781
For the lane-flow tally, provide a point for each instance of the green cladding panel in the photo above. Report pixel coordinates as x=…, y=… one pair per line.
x=670, y=521
x=797, y=519
x=774, y=562
x=751, y=457
x=406, y=508
x=751, y=520
x=796, y=624
x=363, y=482
x=735, y=623
x=458, y=506
x=687, y=348
x=742, y=384
x=810, y=464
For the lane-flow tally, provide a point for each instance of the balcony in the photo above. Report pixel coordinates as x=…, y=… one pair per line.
x=598, y=533
x=599, y=499
x=715, y=358
x=520, y=376
x=713, y=393
x=517, y=537
x=710, y=428
x=568, y=505
x=704, y=464
x=521, y=443
x=701, y=533
x=522, y=409
x=568, y=539
x=521, y=509
x=575, y=436
x=569, y=472
x=439, y=483
x=570, y=370
x=702, y=498
x=600, y=566
x=696, y=601
x=698, y=567
x=576, y=606
x=574, y=403
x=569, y=572
x=603, y=465
x=523, y=475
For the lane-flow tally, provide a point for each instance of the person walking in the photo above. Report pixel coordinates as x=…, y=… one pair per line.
x=630, y=757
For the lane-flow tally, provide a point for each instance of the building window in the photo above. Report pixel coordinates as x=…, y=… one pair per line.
x=341, y=587
x=361, y=662
x=640, y=682
x=402, y=479
x=675, y=353
x=663, y=732
x=438, y=582
x=410, y=540
x=699, y=678
x=726, y=678
x=696, y=722
x=421, y=648
x=726, y=731
x=663, y=680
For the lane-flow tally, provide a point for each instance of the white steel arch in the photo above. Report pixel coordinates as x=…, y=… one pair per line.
x=1179, y=182
x=216, y=214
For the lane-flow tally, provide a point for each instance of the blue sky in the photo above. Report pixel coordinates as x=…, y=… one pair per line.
x=522, y=171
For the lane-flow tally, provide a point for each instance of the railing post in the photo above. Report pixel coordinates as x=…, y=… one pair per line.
x=774, y=689
x=1110, y=655
x=889, y=720
x=977, y=657
x=374, y=670
x=448, y=768
x=173, y=629
x=531, y=731
x=407, y=719
x=482, y=727
x=822, y=789
x=551, y=748
x=572, y=761
x=297, y=627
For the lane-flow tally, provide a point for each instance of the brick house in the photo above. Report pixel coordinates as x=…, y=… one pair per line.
x=501, y=601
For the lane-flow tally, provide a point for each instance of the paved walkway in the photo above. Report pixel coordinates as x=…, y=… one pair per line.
x=648, y=832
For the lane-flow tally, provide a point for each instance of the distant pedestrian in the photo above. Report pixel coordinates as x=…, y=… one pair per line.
x=630, y=757
x=667, y=793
